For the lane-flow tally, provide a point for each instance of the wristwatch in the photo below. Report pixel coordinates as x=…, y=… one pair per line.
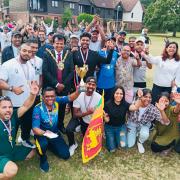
x=11, y=88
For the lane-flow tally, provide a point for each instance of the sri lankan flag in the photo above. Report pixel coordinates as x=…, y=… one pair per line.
x=92, y=142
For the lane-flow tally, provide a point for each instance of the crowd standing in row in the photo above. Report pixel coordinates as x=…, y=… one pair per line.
x=38, y=83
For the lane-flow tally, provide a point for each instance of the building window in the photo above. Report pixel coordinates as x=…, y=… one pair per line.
x=80, y=9
x=55, y=3
x=132, y=14
x=72, y=5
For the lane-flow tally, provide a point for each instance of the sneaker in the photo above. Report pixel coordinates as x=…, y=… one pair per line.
x=78, y=128
x=27, y=143
x=44, y=165
x=73, y=148
x=19, y=139
x=140, y=147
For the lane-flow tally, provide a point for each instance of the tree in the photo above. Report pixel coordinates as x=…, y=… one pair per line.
x=163, y=15
x=86, y=17
x=146, y=3
x=67, y=16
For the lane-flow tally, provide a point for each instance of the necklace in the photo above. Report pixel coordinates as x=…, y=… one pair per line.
x=9, y=129
x=49, y=116
x=87, y=104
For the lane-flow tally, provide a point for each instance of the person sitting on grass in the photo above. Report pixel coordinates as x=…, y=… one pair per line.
x=139, y=122
x=115, y=116
x=9, y=151
x=167, y=137
x=45, y=126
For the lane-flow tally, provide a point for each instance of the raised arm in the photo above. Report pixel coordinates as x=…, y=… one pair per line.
x=34, y=89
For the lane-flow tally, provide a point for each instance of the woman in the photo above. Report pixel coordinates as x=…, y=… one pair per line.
x=139, y=121
x=115, y=117
x=166, y=68
x=168, y=136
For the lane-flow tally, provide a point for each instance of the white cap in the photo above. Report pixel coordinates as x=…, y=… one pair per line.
x=74, y=36
x=140, y=39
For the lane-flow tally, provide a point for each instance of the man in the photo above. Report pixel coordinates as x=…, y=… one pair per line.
x=124, y=72
x=48, y=27
x=43, y=45
x=15, y=76
x=74, y=43
x=27, y=32
x=58, y=71
x=140, y=72
x=91, y=58
x=5, y=37
x=83, y=108
x=95, y=29
x=50, y=38
x=45, y=123
x=12, y=51
x=9, y=151
x=120, y=41
x=132, y=43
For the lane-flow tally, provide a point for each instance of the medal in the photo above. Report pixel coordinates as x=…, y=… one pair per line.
x=10, y=138
x=61, y=65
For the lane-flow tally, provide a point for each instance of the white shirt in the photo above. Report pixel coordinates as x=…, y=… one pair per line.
x=13, y=73
x=95, y=46
x=36, y=63
x=5, y=39
x=165, y=71
x=177, y=78
x=84, y=101
x=15, y=51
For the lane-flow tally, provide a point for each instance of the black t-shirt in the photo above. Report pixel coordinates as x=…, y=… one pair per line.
x=117, y=113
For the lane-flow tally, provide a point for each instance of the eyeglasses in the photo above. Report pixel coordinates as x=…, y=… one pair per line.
x=2, y=98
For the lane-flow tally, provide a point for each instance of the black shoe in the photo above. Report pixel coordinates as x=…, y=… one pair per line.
x=63, y=130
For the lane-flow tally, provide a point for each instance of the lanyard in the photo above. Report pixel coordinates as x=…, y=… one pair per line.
x=9, y=131
x=49, y=117
x=85, y=102
x=84, y=59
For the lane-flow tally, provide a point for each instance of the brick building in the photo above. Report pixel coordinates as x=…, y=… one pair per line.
x=129, y=11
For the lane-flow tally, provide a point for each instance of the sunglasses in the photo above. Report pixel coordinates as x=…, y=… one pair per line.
x=5, y=98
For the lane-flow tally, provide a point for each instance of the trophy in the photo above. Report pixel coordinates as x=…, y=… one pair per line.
x=81, y=71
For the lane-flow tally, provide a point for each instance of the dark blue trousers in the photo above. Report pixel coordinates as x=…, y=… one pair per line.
x=57, y=145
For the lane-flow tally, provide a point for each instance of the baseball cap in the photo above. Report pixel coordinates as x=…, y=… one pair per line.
x=122, y=33
x=14, y=33
x=74, y=36
x=91, y=79
x=140, y=39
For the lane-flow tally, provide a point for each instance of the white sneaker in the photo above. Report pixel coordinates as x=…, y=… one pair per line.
x=78, y=128
x=140, y=147
x=27, y=143
x=19, y=139
x=73, y=148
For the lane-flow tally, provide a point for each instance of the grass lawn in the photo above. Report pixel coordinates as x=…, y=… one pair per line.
x=123, y=164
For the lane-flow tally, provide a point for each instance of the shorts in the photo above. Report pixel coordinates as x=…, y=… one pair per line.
x=19, y=153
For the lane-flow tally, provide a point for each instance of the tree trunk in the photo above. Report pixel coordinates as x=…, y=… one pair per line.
x=174, y=33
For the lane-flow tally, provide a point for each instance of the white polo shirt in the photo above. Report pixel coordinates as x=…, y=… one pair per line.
x=13, y=73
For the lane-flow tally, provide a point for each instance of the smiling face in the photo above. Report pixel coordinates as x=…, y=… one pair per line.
x=6, y=110
x=139, y=46
x=165, y=101
x=49, y=98
x=58, y=44
x=146, y=100
x=125, y=53
x=171, y=50
x=91, y=86
x=118, y=95
x=85, y=42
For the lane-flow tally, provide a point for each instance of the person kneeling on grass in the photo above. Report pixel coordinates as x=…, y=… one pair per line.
x=139, y=122
x=167, y=137
x=45, y=126
x=115, y=116
x=9, y=151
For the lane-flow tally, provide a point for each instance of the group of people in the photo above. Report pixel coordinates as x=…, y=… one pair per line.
x=38, y=80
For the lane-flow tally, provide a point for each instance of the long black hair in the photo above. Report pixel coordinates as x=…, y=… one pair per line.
x=114, y=91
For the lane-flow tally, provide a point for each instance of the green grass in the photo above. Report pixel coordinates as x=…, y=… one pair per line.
x=121, y=165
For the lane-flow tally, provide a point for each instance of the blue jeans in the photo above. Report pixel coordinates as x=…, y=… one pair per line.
x=115, y=136
x=134, y=130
